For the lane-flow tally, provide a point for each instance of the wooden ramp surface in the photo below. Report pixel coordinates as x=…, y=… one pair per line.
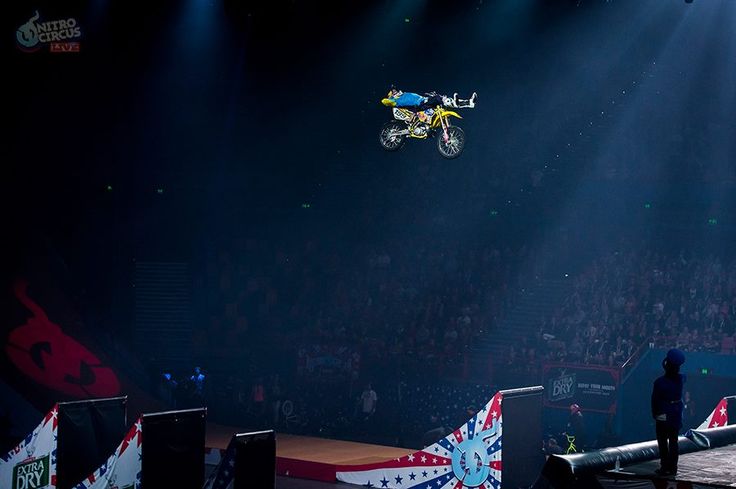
x=334, y=451
x=309, y=457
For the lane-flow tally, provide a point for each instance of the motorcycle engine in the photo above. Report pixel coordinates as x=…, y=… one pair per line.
x=421, y=130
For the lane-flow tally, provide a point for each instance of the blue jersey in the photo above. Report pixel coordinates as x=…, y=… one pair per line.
x=409, y=99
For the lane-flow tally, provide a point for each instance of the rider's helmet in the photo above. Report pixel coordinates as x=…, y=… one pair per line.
x=574, y=408
x=394, y=92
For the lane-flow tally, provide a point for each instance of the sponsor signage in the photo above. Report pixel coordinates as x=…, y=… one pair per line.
x=593, y=388
x=32, y=463
x=32, y=474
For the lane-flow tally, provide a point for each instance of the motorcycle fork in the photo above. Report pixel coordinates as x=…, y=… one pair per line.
x=445, y=136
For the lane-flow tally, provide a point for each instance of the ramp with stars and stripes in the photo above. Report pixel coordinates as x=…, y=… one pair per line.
x=470, y=457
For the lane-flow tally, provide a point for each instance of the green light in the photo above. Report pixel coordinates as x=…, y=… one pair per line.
x=109, y=188
x=306, y=205
x=494, y=212
x=159, y=190
x=647, y=205
x=704, y=371
x=406, y=19
x=712, y=221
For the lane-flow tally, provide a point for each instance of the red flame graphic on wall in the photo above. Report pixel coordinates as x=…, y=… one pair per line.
x=41, y=350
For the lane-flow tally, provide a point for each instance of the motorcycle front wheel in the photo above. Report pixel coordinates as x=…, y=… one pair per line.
x=453, y=145
x=390, y=136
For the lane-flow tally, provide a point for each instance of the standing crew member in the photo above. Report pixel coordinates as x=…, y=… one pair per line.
x=667, y=409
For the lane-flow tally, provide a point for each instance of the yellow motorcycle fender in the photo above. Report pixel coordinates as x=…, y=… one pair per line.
x=454, y=114
x=388, y=102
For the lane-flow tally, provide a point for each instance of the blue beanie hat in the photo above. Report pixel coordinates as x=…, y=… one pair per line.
x=675, y=357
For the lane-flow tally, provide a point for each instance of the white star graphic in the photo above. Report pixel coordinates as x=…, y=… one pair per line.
x=722, y=411
x=424, y=459
x=410, y=458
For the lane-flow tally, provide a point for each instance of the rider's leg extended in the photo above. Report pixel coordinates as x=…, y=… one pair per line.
x=460, y=103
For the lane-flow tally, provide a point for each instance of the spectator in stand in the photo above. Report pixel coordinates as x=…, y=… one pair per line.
x=167, y=389
x=197, y=380
x=368, y=402
x=258, y=399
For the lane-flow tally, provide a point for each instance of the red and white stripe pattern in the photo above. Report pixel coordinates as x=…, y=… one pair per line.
x=122, y=468
x=719, y=416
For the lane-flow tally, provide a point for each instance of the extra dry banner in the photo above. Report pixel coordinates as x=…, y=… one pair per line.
x=32, y=464
x=594, y=388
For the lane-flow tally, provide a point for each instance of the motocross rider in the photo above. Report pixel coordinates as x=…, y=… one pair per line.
x=410, y=100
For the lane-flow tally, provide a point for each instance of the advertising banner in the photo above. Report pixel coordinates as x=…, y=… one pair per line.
x=592, y=387
x=32, y=464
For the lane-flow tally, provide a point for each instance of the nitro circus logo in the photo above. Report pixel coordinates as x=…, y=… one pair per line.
x=563, y=387
x=33, y=474
x=60, y=35
x=470, y=460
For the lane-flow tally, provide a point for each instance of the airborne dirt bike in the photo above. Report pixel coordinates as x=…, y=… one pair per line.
x=424, y=124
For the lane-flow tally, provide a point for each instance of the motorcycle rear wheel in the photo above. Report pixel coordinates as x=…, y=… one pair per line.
x=389, y=138
x=455, y=142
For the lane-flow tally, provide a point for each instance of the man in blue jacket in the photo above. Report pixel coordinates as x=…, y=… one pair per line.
x=667, y=408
